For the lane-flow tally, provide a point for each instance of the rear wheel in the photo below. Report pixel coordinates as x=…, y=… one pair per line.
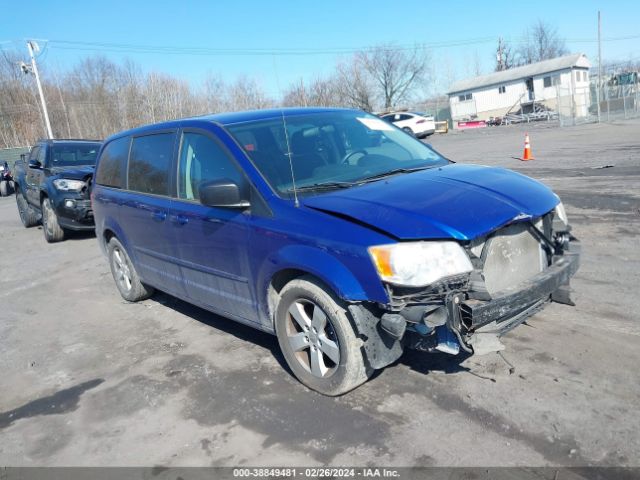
x=28, y=214
x=408, y=130
x=4, y=188
x=317, y=338
x=125, y=275
x=53, y=232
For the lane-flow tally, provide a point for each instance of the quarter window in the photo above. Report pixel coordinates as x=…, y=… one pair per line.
x=202, y=160
x=150, y=163
x=112, y=163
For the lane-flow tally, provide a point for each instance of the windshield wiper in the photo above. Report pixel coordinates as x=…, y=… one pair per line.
x=389, y=173
x=322, y=186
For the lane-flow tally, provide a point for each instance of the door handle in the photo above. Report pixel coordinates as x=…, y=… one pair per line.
x=159, y=216
x=180, y=219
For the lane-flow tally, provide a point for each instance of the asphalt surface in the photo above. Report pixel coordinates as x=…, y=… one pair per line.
x=88, y=379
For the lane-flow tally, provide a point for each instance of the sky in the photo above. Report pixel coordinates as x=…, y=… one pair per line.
x=280, y=42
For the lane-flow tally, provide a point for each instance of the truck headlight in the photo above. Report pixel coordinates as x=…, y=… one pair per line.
x=68, y=185
x=561, y=214
x=417, y=264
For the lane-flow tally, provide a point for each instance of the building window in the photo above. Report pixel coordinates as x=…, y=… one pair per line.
x=551, y=81
x=502, y=89
x=465, y=97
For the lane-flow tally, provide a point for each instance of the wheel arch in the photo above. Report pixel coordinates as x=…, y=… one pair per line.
x=299, y=260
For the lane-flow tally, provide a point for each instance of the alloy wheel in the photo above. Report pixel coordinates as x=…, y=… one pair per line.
x=312, y=338
x=122, y=270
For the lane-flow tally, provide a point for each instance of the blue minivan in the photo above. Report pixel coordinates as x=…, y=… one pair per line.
x=344, y=236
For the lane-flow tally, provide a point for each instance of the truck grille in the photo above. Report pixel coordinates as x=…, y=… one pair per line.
x=511, y=256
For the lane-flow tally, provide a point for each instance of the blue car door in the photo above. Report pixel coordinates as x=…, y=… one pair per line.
x=144, y=210
x=211, y=242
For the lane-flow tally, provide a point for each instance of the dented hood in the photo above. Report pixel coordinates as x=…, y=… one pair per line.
x=453, y=201
x=76, y=172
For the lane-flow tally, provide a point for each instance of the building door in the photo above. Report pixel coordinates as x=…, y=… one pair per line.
x=529, y=83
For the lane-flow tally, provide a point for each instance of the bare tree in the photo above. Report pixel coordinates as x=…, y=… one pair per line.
x=354, y=86
x=541, y=42
x=505, y=56
x=319, y=92
x=245, y=94
x=396, y=72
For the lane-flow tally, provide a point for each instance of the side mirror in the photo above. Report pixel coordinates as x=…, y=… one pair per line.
x=35, y=164
x=222, y=193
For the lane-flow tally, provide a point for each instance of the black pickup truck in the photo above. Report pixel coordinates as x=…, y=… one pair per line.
x=52, y=185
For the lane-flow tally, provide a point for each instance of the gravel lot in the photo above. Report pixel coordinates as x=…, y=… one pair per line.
x=88, y=379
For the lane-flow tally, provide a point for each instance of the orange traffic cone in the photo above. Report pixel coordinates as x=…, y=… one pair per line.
x=527, y=155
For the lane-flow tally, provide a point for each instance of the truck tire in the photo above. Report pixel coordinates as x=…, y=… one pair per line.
x=317, y=338
x=125, y=275
x=53, y=232
x=28, y=215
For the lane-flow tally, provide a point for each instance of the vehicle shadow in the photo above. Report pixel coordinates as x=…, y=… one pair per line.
x=80, y=235
x=422, y=362
x=227, y=325
x=428, y=362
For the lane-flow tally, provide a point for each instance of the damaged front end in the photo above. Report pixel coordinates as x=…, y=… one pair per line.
x=517, y=269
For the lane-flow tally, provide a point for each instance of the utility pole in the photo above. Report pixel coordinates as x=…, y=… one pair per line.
x=31, y=46
x=499, y=56
x=599, y=67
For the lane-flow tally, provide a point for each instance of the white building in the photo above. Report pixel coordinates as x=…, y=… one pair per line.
x=560, y=84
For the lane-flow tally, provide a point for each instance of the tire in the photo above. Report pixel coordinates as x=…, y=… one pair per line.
x=53, y=232
x=408, y=130
x=125, y=275
x=328, y=359
x=4, y=188
x=28, y=214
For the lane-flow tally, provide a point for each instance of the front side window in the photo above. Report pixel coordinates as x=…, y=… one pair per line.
x=69, y=154
x=42, y=155
x=150, y=163
x=112, y=163
x=202, y=160
x=33, y=155
x=343, y=147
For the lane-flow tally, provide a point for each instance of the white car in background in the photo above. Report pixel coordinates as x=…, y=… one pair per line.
x=419, y=124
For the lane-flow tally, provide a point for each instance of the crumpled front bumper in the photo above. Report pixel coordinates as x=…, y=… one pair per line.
x=78, y=215
x=512, y=306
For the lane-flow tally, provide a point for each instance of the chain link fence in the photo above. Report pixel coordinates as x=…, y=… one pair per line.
x=580, y=105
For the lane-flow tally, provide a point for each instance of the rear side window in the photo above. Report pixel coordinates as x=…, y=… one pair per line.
x=150, y=163
x=203, y=160
x=112, y=163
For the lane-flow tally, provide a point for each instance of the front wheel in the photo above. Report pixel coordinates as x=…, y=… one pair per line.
x=317, y=339
x=125, y=275
x=28, y=215
x=53, y=232
x=4, y=188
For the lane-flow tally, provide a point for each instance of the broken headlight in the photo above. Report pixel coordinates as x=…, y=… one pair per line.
x=67, y=185
x=418, y=264
x=561, y=214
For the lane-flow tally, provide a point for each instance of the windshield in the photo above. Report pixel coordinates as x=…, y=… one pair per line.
x=66, y=155
x=341, y=148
